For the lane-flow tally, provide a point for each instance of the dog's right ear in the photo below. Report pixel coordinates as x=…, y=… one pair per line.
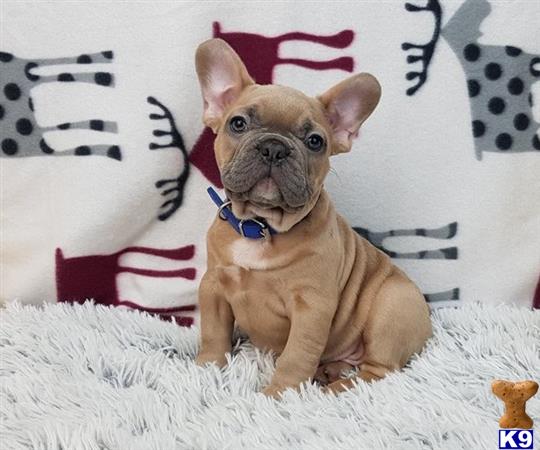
x=222, y=76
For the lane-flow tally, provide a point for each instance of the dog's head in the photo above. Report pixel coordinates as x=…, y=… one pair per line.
x=273, y=142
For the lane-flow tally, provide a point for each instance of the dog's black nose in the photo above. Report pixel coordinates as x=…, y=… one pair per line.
x=273, y=151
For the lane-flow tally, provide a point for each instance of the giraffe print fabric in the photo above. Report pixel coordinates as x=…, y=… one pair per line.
x=104, y=161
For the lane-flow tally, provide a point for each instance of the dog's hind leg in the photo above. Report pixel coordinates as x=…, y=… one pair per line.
x=398, y=326
x=328, y=373
x=364, y=373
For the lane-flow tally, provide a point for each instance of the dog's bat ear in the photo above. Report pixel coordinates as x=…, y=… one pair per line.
x=222, y=76
x=347, y=105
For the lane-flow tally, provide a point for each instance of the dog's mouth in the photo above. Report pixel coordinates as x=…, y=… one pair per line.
x=267, y=200
x=267, y=190
x=264, y=195
x=272, y=188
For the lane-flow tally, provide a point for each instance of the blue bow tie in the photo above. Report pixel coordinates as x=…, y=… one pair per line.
x=249, y=228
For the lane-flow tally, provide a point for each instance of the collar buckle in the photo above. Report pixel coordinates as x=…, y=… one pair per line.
x=264, y=232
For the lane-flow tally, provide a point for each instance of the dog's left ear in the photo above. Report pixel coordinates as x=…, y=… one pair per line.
x=348, y=104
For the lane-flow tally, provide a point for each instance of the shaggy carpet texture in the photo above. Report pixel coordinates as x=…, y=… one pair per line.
x=90, y=377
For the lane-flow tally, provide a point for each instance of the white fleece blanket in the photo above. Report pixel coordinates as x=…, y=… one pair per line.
x=105, y=162
x=86, y=377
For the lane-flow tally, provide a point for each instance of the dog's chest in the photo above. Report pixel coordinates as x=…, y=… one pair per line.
x=255, y=294
x=250, y=254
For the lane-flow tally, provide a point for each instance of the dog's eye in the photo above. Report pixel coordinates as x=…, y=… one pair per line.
x=315, y=142
x=238, y=124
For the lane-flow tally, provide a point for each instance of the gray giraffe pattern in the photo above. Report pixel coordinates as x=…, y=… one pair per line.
x=21, y=136
x=499, y=79
x=452, y=294
x=447, y=231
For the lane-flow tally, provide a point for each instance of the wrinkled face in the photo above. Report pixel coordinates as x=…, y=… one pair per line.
x=273, y=143
x=273, y=148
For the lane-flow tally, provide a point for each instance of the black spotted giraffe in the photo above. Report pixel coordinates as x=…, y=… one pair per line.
x=20, y=134
x=499, y=79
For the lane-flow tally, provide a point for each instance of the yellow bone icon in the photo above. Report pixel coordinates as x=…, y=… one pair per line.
x=514, y=396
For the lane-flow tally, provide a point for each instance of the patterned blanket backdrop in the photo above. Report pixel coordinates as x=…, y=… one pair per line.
x=105, y=161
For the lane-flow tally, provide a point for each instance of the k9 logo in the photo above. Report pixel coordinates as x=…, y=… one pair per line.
x=515, y=439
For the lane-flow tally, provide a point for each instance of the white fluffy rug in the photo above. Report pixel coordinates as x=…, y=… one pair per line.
x=87, y=377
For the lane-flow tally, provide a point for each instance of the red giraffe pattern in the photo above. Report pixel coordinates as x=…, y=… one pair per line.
x=260, y=55
x=94, y=277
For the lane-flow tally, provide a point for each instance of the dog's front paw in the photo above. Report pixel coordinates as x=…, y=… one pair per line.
x=273, y=391
x=207, y=358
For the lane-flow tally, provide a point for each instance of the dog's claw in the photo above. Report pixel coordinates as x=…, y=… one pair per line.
x=273, y=391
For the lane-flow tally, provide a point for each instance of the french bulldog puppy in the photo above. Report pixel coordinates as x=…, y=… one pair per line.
x=315, y=293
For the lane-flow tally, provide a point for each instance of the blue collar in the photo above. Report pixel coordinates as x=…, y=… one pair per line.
x=249, y=228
